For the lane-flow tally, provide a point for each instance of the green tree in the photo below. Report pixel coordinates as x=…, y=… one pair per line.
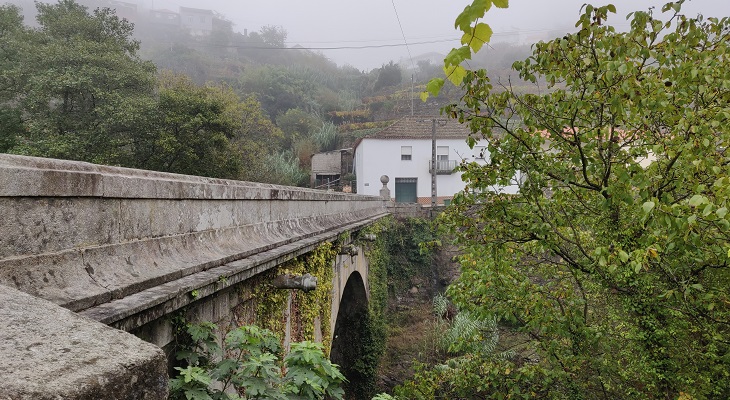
x=194, y=130
x=249, y=363
x=85, y=90
x=14, y=37
x=279, y=89
x=256, y=138
x=296, y=124
x=613, y=258
x=388, y=75
x=274, y=36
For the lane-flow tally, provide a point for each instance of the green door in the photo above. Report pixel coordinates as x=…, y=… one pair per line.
x=405, y=190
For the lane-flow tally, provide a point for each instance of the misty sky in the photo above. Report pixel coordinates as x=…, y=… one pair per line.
x=371, y=26
x=343, y=23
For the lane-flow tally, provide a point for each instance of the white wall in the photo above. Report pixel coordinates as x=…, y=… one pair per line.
x=377, y=157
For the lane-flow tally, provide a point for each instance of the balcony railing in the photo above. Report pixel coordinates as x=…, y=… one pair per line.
x=443, y=167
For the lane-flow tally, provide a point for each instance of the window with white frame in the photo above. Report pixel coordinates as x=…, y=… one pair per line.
x=406, y=153
x=442, y=153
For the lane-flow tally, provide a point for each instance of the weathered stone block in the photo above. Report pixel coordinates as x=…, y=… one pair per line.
x=39, y=225
x=50, y=353
x=57, y=277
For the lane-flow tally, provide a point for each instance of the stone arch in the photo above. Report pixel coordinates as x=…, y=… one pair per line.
x=345, y=266
x=351, y=327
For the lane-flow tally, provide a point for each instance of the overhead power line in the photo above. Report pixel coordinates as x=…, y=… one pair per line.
x=445, y=37
x=403, y=33
x=376, y=46
x=413, y=65
x=372, y=46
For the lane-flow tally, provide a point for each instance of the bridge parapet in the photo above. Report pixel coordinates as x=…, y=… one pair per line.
x=109, y=241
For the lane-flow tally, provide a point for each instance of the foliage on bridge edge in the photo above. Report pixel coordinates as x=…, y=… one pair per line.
x=306, y=307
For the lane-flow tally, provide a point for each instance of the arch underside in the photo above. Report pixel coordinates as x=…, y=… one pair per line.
x=352, y=329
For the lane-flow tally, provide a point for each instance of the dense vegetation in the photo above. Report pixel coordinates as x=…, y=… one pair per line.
x=396, y=263
x=248, y=362
x=75, y=86
x=612, y=261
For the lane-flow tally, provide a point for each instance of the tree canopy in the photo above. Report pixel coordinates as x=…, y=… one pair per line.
x=76, y=88
x=77, y=83
x=612, y=261
x=193, y=131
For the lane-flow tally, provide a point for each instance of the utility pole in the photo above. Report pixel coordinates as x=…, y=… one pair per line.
x=433, y=164
x=411, y=95
x=434, y=190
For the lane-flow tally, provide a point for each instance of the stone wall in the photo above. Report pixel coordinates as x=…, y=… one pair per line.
x=412, y=210
x=107, y=240
x=328, y=163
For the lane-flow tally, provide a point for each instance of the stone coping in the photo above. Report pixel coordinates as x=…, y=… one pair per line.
x=23, y=176
x=86, y=277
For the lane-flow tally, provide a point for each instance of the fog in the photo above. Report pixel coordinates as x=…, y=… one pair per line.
x=338, y=23
x=368, y=34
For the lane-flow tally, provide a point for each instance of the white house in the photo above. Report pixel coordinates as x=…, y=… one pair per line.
x=165, y=17
x=402, y=151
x=197, y=20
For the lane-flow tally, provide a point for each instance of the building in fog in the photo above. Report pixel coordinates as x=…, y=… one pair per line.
x=125, y=9
x=403, y=152
x=197, y=21
x=165, y=17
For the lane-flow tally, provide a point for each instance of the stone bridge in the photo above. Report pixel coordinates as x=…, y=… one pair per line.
x=81, y=243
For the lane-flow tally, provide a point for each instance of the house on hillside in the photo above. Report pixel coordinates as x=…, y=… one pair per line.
x=330, y=168
x=403, y=152
x=125, y=9
x=165, y=17
x=197, y=20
